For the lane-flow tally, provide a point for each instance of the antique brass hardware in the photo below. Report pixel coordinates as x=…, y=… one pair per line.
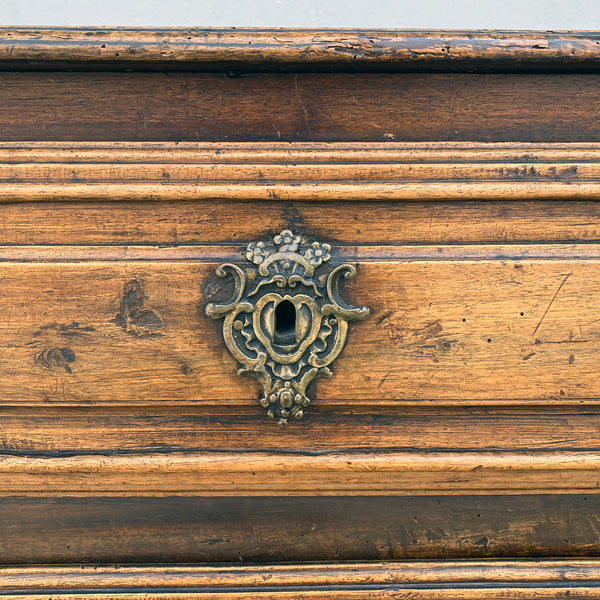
x=285, y=324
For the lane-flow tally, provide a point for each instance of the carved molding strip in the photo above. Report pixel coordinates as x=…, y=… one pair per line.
x=372, y=473
x=162, y=171
x=191, y=48
x=419, y=580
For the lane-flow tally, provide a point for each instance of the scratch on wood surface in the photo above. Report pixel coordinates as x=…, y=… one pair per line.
x=383, y=379
x=562, y=283
x=302, y=106
x=276, y=130
x=142, y=116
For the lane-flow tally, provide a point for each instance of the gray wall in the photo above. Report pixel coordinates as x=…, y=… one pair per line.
x=403, y=14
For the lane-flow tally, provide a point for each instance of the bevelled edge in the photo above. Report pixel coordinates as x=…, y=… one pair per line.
x=298, y=171
x=342, y=473
x=518, y=579
x=192, y=48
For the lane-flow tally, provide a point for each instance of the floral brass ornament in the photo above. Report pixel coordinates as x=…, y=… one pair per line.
x=285, y=324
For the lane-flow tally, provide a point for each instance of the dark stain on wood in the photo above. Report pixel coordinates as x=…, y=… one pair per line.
x=56, y=358
x=68, y=330
x=133, y=317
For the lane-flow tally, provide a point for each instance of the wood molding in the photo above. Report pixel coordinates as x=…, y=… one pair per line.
x=213, y=253
x=298, y=171
x=299, y=474
x=419, y=580
x=193, y=48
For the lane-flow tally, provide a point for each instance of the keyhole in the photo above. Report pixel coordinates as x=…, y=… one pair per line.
x=285, y=323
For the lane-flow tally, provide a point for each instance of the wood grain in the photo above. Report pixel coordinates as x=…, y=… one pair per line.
x=194, y=48
x=432, y=573
x=464, y=189
x=275, y=530
x=456, y=326
x=299, y=171
x=348, y=223
x=67, y=431
x=528, y=579
x=297, y=107
x=373, y=473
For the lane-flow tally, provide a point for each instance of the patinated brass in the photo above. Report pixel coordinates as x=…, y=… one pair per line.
x=285, y=323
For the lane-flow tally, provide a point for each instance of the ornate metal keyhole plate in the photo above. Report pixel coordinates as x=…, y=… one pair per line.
x=286, y=322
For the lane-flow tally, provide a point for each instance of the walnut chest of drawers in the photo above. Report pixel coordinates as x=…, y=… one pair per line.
x=299, y=314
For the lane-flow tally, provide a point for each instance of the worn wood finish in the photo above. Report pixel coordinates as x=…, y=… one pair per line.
x=194, y=48
x=297, y=474
x=466, y=325
x=418, y=580
x=345, y=594
x=459, y=171
x=190, y=222
x=68, y=431
x=367, y=171
x=300, y=107
x=275, y=530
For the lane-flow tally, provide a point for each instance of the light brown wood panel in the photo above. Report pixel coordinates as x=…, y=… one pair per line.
x=408, y=573
x=481, y=329
x=100, y=106
x=341, y=593
x=371, y=473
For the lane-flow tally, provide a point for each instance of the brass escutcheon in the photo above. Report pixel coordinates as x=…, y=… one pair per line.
x=286, y=323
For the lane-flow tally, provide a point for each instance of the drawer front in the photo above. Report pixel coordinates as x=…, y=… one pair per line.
x=475, y=372
x=457, y=327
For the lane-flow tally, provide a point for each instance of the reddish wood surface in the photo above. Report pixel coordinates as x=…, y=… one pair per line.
x=452, y=326
x=62, y=106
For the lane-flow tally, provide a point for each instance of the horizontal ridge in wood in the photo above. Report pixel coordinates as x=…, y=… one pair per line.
x=298, y=171
x=272, y=474
x=68, y=431
x=208, y=253
x=185, y=223
x=545, y=579
x=193, y=48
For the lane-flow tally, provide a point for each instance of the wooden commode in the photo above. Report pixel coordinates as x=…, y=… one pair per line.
x=299, y=314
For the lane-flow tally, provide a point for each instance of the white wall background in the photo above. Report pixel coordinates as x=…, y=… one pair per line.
x=402, y=14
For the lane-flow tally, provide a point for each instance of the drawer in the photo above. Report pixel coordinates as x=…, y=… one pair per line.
x=473, y=368
x=397, y=241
